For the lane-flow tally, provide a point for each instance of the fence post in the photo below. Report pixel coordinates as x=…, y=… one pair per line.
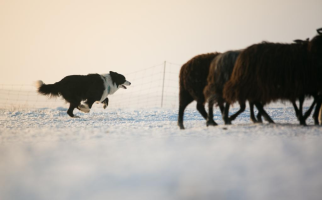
x=165, y=64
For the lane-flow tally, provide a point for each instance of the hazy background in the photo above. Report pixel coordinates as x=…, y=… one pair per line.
x=48, y=40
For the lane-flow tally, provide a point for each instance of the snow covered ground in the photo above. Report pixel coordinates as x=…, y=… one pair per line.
x=141, y=154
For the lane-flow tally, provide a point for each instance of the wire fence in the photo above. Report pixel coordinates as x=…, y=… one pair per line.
x=156, y=86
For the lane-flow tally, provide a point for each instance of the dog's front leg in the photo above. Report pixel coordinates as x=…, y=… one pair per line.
x=105, y=102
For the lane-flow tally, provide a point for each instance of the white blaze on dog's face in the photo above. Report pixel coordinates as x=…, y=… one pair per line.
x=119, y=80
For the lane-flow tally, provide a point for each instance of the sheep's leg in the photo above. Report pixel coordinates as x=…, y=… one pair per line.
x=263, y=112
x=221, y=107
x=226, y=114
x=252, y=114
x=210, y=119
x=301, y=119
x=299, y=111
x=184, y=100
x=241, y=109
x=316, y=112
x=301, y=101
x=320, y=116
x=259, y=117
x=202, y=110
x=308, y=112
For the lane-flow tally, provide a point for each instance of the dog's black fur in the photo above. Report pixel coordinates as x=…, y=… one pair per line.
x=77, y=88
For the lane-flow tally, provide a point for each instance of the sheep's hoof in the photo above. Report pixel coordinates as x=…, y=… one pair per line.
x=302, y=122
x=227, y=120
x=181, y=126
x=211, y=123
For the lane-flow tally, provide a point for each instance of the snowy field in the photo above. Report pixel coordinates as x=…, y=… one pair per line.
x=140, y=154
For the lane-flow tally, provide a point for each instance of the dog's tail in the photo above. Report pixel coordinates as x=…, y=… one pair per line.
x=50, y=89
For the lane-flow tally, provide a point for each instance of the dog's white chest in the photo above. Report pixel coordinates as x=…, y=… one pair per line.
x=110, y=88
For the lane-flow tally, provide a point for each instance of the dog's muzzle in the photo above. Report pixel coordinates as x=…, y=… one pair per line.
x=126, y=83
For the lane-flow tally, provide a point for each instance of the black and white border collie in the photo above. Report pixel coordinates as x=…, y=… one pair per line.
x=89, y=88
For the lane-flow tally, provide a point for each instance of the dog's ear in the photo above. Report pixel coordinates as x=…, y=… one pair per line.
x=112, y=72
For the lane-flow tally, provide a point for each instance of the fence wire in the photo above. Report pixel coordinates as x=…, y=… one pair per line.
x=156, y=86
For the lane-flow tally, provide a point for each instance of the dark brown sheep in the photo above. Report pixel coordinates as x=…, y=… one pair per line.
x=219, y=73
x=192, y=80
x=268, y=72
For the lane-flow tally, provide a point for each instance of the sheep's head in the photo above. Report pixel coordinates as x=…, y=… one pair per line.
x=319, y=31
x=316, y=42
x=315, y=48
x=298, y=41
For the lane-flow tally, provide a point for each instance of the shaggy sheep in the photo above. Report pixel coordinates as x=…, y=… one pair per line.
x=219, y=73
x=268, y=72
x=192, y=80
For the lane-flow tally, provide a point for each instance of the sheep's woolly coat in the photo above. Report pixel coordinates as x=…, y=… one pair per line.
x=268, y=72
x=192, y=81
x=193, y=75
x=219, y=73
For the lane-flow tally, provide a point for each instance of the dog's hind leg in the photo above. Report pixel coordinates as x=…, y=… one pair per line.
x=88, y=104
x=84, y=108
x=71, y=109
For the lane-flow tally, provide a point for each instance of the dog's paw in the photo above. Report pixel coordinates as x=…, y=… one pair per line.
x=84, y=108
x=75, y=116
x=105, y=103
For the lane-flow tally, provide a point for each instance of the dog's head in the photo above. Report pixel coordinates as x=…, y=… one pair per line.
x=119, y=80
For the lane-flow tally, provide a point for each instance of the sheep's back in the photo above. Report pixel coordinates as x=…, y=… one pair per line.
x=219, y=73
x=193, y=74
x=270, y=71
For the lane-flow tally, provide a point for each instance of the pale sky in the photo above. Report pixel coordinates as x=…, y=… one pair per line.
x=47, y=40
